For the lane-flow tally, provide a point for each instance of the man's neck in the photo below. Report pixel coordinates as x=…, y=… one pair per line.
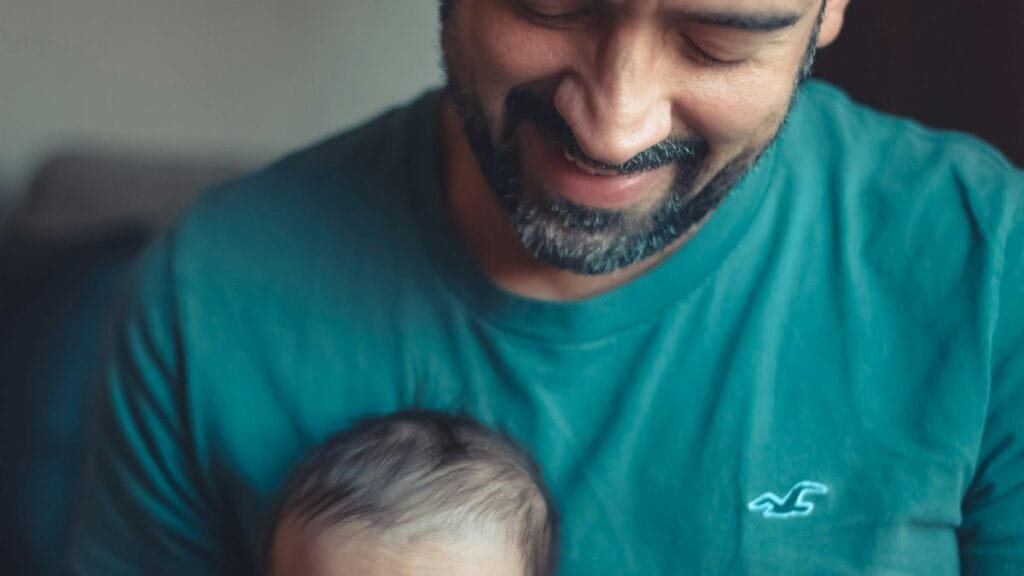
x=485, y=229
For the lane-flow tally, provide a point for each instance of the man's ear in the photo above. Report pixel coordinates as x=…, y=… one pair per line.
x=832, y=23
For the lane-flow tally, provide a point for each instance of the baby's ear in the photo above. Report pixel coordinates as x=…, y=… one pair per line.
x=835, y=11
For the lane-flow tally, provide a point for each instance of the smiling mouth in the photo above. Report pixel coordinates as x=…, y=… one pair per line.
x=575, y=156
x=590, y=168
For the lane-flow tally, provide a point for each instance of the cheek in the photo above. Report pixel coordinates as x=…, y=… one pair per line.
x=736, y=112
x=741, y=108
x=501, y=52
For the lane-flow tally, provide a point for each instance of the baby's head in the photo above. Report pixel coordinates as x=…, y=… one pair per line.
x=416, y=493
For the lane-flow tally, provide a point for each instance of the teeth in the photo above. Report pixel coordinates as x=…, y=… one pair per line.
x=588, y=168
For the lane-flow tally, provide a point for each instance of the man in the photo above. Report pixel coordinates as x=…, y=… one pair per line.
x=747, y=326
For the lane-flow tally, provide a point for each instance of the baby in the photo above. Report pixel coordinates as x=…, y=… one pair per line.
x=416, y=493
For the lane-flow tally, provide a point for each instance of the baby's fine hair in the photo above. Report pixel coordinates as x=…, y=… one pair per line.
x=425, y=473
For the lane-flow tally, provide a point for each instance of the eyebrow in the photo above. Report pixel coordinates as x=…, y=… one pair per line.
x=746, y=22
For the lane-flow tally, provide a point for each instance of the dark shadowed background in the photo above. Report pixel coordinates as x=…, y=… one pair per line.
x=955, y=64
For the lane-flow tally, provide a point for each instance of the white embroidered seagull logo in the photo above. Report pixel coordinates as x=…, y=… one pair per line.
x=792, y=504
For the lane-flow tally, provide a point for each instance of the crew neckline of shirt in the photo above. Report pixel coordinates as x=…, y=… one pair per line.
x=639, y=301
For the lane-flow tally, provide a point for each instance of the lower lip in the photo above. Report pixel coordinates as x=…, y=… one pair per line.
x=569, y=181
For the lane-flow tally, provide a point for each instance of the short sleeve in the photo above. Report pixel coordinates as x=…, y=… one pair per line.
x=992, y=534
x=142, y=509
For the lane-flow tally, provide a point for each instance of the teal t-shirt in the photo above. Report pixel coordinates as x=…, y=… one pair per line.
x=827, y=379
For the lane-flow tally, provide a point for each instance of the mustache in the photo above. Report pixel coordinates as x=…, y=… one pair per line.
x=526, y=105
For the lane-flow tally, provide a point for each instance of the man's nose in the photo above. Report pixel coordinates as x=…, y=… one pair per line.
x=616, y=104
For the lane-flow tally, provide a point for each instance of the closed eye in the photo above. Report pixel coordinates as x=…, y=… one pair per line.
x=723, y=46
x=555, y=13
x=702, y=56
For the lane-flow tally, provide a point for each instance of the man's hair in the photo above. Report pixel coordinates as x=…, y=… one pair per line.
x=446, y=10
x=425, y=473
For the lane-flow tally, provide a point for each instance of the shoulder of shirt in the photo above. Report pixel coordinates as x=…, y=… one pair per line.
x=339, y=209
x=887, y=159
x=353, y=183
x=344, y=168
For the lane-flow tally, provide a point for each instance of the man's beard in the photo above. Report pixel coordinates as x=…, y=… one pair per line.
x=579, y=238
x=588, y=240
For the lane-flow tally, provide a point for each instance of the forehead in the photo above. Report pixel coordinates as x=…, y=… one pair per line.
x=357, y=551
x=707, y=5
x=697, y=7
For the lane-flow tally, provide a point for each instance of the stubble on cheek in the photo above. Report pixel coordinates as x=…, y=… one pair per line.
x=489, y=50
x=731, y=141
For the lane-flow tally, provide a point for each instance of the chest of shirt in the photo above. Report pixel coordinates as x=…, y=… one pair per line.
x=744, y=431
x=671, y=455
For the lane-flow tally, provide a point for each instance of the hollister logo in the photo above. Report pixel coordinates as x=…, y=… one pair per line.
x=793, y=504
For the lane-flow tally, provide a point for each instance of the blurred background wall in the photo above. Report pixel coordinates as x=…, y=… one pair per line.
x=242, y=78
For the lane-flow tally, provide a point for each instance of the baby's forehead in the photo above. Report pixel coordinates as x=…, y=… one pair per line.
x=350, y=550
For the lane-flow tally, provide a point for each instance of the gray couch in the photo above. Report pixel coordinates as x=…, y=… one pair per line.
x=63, y=255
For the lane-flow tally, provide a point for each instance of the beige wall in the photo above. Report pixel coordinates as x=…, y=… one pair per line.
x=250, y=78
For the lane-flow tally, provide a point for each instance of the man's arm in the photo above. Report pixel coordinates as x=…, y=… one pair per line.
x=142, y=508
x=992, y=534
